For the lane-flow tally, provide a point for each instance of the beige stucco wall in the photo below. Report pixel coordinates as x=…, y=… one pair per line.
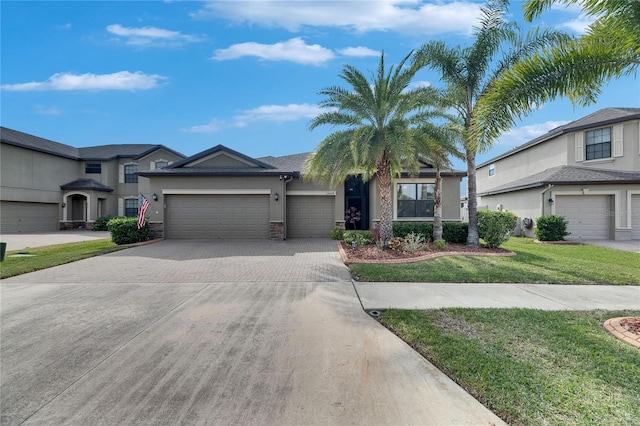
x=32, y=176
x=630, y=159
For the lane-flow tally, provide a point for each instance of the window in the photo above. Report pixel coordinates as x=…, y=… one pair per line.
x=492, y=169
x=130, y=175
x=415, y=199
x=598, y=143
x=161, y=164
x=131, y=207
x=93, y=168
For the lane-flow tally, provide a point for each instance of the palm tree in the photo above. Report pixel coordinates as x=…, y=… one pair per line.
x=469, y=72
x=575, y=68
x=377, y=140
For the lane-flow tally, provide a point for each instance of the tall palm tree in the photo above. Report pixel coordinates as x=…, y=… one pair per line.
x=575, y=68
x=469, y=72
x=376, y=139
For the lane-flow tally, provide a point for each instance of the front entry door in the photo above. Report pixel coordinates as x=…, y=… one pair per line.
x=356, y=193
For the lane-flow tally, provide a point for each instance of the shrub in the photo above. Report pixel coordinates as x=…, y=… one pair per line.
x=357, y=237
x=101, y=223
x=414, y=242
x=336, y=233
x=397, y=244
x=124, y=230
x=455, y=232
x=440, y=244
x=402, y=229
x=495, y=227
x=551, y=228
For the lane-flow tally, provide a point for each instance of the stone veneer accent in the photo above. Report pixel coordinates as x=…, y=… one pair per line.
x=276, y=230
x=156, y=230
x=340, y=224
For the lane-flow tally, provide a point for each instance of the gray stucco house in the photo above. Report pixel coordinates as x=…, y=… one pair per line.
x=587, y=170
x=217, y=193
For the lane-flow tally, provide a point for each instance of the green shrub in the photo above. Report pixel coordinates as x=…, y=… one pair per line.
x=455, y=232
x=551, y=228
x=402, y=229
x=336, y=233
x=495, y=227
x=439, y=244
x=414, y=242
x=358, y=237
x=124, y=230
x=101, y=223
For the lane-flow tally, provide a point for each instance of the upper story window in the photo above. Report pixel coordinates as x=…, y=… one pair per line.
x=130, y=175
x=492, y=169
x=161, y=164
x=415, y=199
x=598, y=143
x=131, y=207
x=93, y=168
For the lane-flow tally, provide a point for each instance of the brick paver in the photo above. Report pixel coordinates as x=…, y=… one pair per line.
x=207, y=261
x=614, y=327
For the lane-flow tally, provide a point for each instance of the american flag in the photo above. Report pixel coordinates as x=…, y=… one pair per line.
x=144, y=206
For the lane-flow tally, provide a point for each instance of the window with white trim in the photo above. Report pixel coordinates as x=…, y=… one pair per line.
x=492, y=169
x=161, y=164
x=415, y=199
x=598, y=143
x=130, y=173
x=131, y=207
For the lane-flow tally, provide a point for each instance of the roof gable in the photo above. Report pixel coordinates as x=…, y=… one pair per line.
x=220, y=157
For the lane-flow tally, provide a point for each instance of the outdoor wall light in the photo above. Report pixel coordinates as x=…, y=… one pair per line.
x=550, y=200
x=276, y=196
x=155, y=197
x=64, y=205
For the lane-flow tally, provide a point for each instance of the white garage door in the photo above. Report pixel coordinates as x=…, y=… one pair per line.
x=310, y=216
x=217, y=216
x=28, y=217
x=588, y=215
x=635, y=217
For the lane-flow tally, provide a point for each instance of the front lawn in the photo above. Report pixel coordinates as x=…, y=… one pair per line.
x=528, y=366
x=533, y=263
x=34, y=259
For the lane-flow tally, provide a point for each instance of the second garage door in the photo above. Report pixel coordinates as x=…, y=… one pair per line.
x=217, y=216
x=28, y=217
x=635, y=217
x=310, y=216
x=587, y=216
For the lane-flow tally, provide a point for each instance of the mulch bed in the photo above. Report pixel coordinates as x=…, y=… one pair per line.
x=371, y=253
x=632, y=324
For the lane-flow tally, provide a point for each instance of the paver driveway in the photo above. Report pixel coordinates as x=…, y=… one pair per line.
x=211, y=332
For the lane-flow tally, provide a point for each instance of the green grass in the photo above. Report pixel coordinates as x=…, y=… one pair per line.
x=530, y=366
x=49, y=256
x=533, y=263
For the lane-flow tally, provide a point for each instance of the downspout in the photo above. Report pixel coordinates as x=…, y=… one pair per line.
x=285, y=179
x=544, y=198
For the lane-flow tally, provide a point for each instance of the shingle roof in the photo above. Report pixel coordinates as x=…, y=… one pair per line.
x=87, y=184
x=288, y=162
x=567, y=175
x=599, y=118
x=108, y=152
x=25, y=140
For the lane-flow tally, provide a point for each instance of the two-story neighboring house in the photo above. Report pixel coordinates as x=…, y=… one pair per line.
x=46, y=185
x=587, y=171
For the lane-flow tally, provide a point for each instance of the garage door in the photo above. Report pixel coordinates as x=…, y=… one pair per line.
x=310, y=216
x=635, y=217
x=28, y=217
x=217, y=216
x=587, y=215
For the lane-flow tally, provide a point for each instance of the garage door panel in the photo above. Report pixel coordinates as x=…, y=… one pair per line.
x=635, y=217
x=217, y=216
x=587, y=215
x=310, y=216
x=28, y=217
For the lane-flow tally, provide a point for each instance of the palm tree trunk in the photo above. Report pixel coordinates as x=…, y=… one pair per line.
x=386, y=200
x=472, y=238
x=437, y=207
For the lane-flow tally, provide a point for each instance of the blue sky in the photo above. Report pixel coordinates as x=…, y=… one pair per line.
x=192, y=75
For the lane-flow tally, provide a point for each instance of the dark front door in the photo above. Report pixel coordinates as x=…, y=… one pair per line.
x=356, y=201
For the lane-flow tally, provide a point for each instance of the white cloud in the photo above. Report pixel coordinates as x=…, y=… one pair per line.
x=404, y=16
x=150, y=36
x=520, y=135
x=269, y=113
x=358, y=52
x=417, y=84
x=123, y=80
x=578, y=25
x=294, y=50
x=47, y=110
x=66, y=26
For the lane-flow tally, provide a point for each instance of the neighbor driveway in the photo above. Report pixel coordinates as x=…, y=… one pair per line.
x=211, y=332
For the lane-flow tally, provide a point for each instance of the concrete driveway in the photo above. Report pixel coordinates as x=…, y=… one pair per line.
x=211, y=332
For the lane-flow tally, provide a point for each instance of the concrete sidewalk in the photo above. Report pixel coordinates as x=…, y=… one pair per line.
x=535, y=296
x=29, y=240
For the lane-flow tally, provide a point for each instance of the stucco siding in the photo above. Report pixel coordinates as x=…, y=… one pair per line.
x=630, y=158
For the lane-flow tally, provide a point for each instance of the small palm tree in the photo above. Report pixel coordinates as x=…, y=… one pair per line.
x=469, y=73
x=376, y=139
